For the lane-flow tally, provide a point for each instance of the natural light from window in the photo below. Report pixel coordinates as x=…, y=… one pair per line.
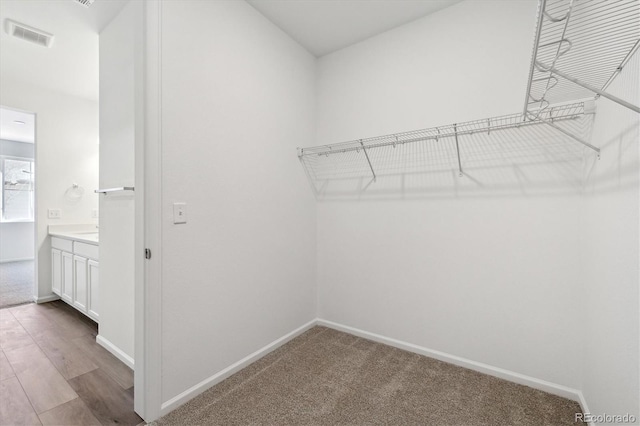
x=17, y=176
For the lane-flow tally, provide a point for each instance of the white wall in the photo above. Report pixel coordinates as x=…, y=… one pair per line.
x=120, y=56
x=66, y=153
x=16, y=241
x=16, y=238
x=611, y=266
x=237, y=98
x=487, y=274
x=461, y=63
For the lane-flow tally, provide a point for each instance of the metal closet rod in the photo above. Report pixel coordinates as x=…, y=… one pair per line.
x=549, y=115
x=622, y=65
x=597, y=91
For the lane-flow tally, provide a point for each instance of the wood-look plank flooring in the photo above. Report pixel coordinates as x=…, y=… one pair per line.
x=52, y=371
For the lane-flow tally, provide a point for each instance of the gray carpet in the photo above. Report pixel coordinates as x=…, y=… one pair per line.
x=16, y=283
x=325, y=377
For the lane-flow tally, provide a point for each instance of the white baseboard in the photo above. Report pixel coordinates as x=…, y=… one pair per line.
x=501, y=373
x=116, y=351
x=197, y=389
x=48, y=298
x=583, y=405
x=22, y=259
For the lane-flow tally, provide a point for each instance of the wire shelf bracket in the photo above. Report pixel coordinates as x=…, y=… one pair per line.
x=368, y=160
x=455, y=131
x=580, y=47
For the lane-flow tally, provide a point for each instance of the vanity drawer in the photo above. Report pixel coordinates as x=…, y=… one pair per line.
x=61, y=244
x=85, y=250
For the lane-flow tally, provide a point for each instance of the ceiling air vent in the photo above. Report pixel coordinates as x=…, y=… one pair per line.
x=85, y=3
x=28, y=33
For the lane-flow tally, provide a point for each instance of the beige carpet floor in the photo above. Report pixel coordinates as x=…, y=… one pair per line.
x=16, y=283
x=326, y=377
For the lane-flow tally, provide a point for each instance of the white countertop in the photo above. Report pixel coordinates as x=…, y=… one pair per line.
x=86, y=233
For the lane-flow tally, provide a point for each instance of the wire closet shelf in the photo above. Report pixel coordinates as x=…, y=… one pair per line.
x=310, y=157
x=580, y=47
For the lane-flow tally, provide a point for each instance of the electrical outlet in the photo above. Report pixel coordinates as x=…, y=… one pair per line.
x=179, y=212
x=94, y=214
x=54, y=213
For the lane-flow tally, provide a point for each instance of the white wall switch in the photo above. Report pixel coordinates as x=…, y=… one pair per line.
x=94, y=213
x=54, y=213
x=179, y=212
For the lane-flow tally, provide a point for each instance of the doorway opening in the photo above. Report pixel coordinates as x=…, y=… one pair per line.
x=17, y=207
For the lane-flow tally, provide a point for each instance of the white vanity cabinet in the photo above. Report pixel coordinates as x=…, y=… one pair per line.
x=82, y=285
x=67, y=277
x=92, y=279
x=56, y=271
x=74, y=274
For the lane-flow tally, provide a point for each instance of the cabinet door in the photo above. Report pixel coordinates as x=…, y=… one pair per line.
x=67, y=277
x=81, y=294
x=94, y=295
x=56, y=271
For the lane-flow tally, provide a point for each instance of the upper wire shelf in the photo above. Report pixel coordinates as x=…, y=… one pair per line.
x=361, y=148
x=580, y=47
x=549, y=115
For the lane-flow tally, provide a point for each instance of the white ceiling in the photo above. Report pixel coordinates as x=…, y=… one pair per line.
x=324, y=26
x=11, y=129
x=71, y=64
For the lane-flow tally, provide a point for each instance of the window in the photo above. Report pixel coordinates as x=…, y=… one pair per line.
x=17, y=176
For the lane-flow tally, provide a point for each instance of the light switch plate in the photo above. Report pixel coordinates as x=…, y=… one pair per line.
x=94, y=214
x=54, y=213
x=179, y=212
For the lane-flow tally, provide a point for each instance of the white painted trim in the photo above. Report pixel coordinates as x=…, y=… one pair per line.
x=583, y=405
x=44, y=299
x=36, y=210
x=21, y=259
x=148, y=298
x=501, y=373
x=233, y=368
x=116, y=351
x=139, y=208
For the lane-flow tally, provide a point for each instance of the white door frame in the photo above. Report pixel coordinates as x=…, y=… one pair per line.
x=148, y=229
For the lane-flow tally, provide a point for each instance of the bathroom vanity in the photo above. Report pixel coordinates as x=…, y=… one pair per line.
x=74, y=266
